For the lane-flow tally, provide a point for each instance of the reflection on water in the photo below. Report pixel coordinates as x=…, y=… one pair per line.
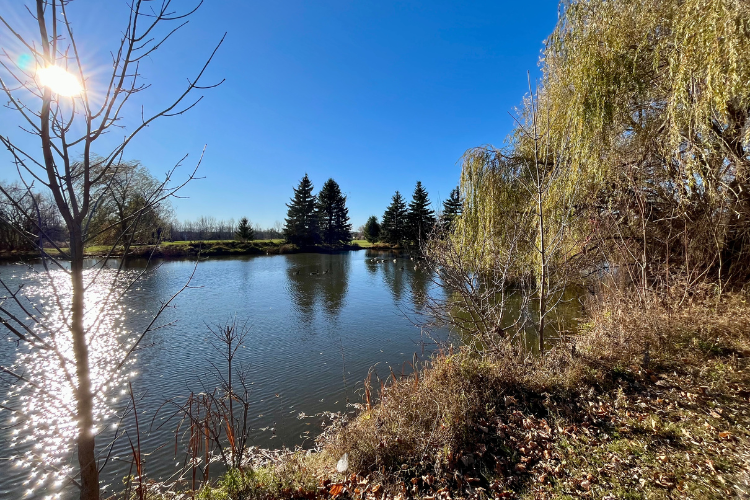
x=321, y=279
x=43, y=427
x=519, y=317
x=317, y=324
x=402, y=276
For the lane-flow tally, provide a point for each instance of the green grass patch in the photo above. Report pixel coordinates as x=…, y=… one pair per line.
x=362, y=243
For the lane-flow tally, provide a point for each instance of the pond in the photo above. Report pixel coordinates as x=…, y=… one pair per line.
x=316, y=324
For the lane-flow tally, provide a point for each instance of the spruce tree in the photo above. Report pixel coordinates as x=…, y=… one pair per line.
x=245, y=230
x=332, y=214
x=394, y=226
x=452, y=208
x=301, y=225
x=421, y=218
x=372, y=229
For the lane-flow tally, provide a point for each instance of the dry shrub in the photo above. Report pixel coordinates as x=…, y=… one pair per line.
x=420, y=421
x=428, y=421
x=624, y=331
x=425, y=423
x=287, y=248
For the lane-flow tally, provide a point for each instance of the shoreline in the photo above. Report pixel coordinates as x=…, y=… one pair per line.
x=195, y=249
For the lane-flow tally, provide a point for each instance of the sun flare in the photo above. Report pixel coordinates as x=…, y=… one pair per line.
x=59, y=81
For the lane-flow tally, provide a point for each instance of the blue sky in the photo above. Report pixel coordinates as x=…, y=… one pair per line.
x=376, y=94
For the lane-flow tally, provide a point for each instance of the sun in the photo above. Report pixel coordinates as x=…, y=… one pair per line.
x=59, y=81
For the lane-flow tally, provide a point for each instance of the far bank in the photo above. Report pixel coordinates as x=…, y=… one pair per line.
x=210, y=248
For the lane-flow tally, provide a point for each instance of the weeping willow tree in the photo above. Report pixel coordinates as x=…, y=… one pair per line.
x=656, y=98
x=631, y=155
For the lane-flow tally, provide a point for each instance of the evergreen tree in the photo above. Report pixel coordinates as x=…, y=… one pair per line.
x=372, y=229
x=332, y=214
x=452, y=208
x=394, y=226
x=245, y=230
x=421, y=218
x=301, y=225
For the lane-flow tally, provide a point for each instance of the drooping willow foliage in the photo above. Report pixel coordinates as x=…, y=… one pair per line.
x=638, y=134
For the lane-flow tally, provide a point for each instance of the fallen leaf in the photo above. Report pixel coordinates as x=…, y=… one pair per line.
x=336, y=490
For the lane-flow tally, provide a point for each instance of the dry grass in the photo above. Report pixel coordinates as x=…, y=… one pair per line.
x=469, y=421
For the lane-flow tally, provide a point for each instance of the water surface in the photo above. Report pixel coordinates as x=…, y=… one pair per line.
x=317, y=323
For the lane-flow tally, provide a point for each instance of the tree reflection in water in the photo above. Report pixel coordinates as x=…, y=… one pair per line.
x=318, y=281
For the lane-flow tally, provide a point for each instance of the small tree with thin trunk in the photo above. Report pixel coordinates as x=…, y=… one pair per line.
x=69, y=111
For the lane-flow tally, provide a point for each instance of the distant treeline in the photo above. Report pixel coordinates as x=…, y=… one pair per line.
x=22, y=222
x=125, y=213
x=211, y=228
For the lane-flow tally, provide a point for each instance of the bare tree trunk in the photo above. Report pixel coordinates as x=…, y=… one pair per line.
x=85, y=398
x=540, y=214
x=71, y=182
x=543, y=268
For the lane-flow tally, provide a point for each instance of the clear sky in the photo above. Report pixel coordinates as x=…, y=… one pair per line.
x=376, y=94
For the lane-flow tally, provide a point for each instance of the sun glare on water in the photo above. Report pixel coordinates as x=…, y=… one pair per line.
x=45, y=428
x=59, y=81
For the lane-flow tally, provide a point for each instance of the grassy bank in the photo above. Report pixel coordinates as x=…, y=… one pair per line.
x=651, y=403
x=191, y=249
x=376, y=246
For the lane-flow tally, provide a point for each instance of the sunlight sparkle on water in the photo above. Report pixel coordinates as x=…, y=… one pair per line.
x=49, y=428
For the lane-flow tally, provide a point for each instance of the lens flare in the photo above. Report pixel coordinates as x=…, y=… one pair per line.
x=59, y=81
x=24, y=61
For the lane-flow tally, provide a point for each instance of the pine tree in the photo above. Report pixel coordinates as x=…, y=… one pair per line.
x=452, y=208
x=245, y=230
x=394, y=226
x=421, y=218
x=372, y=229
x=332, y=214
x=301, y=225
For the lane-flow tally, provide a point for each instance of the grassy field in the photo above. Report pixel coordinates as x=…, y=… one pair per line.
x=362, y=243
x=209, y=248
x=206, y=248
x=218, y=242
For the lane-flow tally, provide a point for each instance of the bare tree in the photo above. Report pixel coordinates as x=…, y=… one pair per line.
x=66, y=165
x=122, y=196
x=545, y=175
x=485, y=303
